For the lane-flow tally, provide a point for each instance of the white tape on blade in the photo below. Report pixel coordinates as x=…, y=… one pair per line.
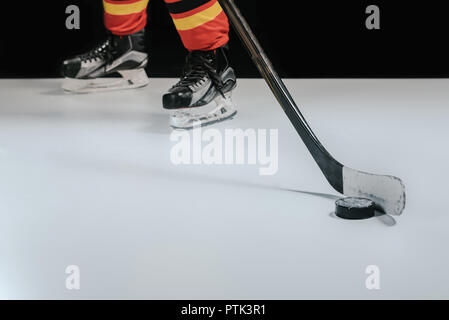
x=386, y=191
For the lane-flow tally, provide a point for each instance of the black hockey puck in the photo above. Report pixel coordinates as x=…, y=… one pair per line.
x=355, y=208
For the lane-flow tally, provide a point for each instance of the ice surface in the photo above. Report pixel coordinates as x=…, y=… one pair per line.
x=87, y=180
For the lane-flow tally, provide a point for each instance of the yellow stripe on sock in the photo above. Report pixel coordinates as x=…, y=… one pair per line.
x=124, y=9
x=198, y=18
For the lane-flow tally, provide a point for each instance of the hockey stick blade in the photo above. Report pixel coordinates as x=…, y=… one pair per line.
x=387, y=191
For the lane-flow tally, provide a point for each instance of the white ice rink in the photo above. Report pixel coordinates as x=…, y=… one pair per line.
x=87, y=180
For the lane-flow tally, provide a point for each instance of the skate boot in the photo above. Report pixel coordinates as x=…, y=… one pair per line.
x=203, y=94
x=118, y=63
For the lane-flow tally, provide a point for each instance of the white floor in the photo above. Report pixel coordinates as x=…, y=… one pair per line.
x=87, y=180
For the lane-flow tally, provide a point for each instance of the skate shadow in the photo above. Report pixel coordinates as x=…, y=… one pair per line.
x=53, y=88
x=158, y=124
x=56, y=92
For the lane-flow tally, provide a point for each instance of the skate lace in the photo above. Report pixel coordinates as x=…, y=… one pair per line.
x=198, y=67
x=103, y=51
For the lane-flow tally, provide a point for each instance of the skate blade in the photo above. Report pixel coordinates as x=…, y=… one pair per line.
x=131, y=79
x=218, y=110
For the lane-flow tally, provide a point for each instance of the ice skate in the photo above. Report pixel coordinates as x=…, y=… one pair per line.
x=203, y=94
x=118, y=63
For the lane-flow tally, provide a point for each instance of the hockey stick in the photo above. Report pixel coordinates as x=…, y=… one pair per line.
x=387, y=192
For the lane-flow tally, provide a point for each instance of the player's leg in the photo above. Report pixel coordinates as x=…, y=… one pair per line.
x=122, y=54
x=203, y=94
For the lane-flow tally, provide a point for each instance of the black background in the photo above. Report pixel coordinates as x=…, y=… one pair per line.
x=275, y=309
x=314, y=38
